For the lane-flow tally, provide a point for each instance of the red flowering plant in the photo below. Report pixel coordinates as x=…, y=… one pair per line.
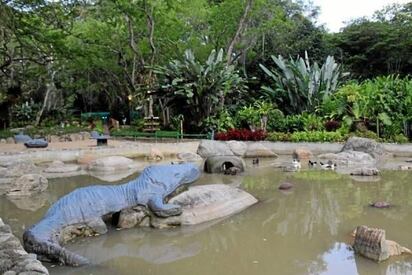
x=241, y=134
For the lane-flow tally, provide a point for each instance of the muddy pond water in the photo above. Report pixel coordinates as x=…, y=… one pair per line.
x=303, y=231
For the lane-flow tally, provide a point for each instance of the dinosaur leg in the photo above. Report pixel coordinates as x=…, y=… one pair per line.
x=163, y=210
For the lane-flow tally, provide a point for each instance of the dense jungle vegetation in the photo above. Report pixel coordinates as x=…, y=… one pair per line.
x=246, y=69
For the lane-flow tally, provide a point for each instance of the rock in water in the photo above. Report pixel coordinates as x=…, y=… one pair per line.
x=111, y=164
x=365, y=171
x=58, y=166
x=13, y=258
x=380, y=204
x=238, y=147
x=210, y=148
x=372, y=244
x=302, y=154
x=365, y=145
x=28, y=185
x=208, y=202
x=286, y=186
x=189, y=157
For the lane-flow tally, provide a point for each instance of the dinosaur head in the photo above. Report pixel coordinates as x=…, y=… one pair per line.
x=180, y=176
x=190, y=173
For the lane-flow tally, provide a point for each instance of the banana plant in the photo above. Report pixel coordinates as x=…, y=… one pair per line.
x=198, y=89
x=301, y=86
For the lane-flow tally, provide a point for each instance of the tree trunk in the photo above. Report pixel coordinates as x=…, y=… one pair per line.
x=240, y=29
x=50, y=87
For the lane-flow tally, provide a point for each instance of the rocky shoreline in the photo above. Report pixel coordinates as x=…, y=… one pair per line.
x=72, y=151
x=13, y=258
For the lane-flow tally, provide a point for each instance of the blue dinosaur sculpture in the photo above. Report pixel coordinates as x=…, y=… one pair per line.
x=88, y=205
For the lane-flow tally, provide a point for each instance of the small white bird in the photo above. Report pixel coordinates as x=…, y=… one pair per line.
x=292, y=167
x=328, y=166
x=296, y=163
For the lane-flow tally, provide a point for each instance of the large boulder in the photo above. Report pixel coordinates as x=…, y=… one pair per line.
x=199, y=204
x=210, y=148
x=219, y=164
x=28, y=185
x=204, y=203
x=365, y=145
x=189, y=157
x=302, y=154
x=13, y=258
x=350, y=158
x=257, y=149
x=58, y=166
x=112, y=163
x=237, y=147
x=18, y=168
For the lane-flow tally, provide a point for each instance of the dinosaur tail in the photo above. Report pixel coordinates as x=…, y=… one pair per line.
x=51, y=250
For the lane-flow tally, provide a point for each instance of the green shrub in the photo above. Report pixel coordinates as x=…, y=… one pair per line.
x=312, y=122
x=317, y=136
x=276, y=136
x=220, y=123
x=5, y=134
x=293, y=123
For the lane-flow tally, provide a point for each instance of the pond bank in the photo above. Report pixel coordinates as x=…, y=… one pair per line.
x=72, y=151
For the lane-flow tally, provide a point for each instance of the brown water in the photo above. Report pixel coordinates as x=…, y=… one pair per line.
x=304, y=231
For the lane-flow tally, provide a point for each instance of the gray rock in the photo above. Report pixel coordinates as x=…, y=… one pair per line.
x=218, y=164
x=208, y=202
x=3, y=141
x=18, y=168
x=58, y=166
x=13, y=258
x=28, y=185
x=210, y=148
x=237, y=147
x=285, y=186
x=302, y=154
x=112, y=163
x=350, y=158
x=10, y=140
x=129, y=218
x=365, y=171
x=257, y=149
x=365, y=145
x=380, y=204
x=189, y=157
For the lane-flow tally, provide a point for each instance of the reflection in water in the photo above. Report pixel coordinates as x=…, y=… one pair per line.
x=30, y=203
x=300, y=232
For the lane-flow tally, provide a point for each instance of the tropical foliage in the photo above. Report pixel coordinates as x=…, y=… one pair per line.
x=301, y=86
x=213, y=65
